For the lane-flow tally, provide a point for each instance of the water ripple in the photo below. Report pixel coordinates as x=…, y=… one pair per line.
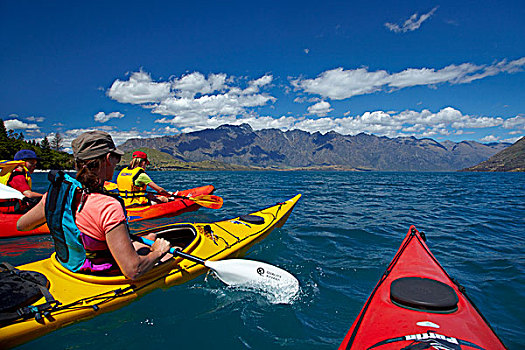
x=340, y=238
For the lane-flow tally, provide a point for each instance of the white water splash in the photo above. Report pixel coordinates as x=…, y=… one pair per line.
x=274, y=293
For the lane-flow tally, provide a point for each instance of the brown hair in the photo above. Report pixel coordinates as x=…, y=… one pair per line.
x=87, y=173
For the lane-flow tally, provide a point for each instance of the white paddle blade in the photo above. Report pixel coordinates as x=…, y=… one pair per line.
x=7, y=192
x=254, y=274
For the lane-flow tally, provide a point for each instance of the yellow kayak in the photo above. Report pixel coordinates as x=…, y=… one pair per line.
x=85, y=296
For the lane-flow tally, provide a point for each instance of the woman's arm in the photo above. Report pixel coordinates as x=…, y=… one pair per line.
x=33, y=218
x=31, y=194
x=159, y=189
x=130, y=262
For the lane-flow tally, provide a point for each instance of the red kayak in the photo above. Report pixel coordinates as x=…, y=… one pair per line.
x=416, y=305
x=172, y=208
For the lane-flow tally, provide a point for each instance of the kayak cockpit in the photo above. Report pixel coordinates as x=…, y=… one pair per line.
x=178, y=235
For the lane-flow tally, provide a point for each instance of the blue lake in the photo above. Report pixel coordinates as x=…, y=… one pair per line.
x=337, y=242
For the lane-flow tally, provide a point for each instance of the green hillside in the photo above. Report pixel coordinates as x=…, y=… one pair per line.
x=510, y=159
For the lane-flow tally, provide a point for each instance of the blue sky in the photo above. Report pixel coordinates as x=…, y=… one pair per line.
x=448, y=70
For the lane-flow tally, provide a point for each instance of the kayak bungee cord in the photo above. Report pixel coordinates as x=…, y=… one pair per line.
x=255, y=233
x=71, y=306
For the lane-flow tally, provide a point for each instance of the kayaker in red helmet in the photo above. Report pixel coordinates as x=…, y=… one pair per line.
x=132, y=183
x=88, y=225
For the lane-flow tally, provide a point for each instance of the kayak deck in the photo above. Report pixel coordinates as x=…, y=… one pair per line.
x=85, y=296
x=416, y=302
x=171, y=208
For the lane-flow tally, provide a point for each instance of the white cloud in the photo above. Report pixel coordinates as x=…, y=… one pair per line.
x=210, y=105
x=489, y=138
x=512, y=139
x=194, y=102
x=36, y=119
x=424, y=123
x=193, y=99
x=255, y=85
x=427, y=76
x=411, y=24
x=518, y=122
x=15, y=124
x=102, y=117
x=339, y=84
x=320, y=109
x=196, y=83
x=139, y=89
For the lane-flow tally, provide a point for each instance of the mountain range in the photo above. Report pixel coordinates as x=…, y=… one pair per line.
x=275, y=149
x=510, y=159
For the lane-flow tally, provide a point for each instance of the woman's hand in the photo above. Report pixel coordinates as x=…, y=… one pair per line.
x=160, y=245
x=34, y=218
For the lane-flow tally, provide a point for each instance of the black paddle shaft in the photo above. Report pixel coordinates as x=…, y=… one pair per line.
x=187, y=256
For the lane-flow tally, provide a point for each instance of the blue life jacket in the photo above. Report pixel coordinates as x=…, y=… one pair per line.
x=64, y=195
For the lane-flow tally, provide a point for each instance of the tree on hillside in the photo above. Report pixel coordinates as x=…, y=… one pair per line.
x=3, y=131
x=11, y=142
x=56, y=142
x=45, y=144
x=4, y=141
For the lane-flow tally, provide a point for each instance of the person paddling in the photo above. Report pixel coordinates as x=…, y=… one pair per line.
x=18, y=176
x=132, y=183
x=88, y=225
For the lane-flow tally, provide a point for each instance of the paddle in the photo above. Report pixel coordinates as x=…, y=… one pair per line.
x=242, y=272
x=204, y=200
x=7, y=192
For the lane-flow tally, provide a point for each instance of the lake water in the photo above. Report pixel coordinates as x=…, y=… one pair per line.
x=337, y=242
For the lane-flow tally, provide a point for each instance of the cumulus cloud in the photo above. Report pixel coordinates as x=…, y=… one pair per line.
x=139, y=89
x=196, y=83
x=320, y=109
x=489, y=138
x=102, y=117
x=15, y=124
x=194, y=100
x=255, y=85
x=518, y=122
x=339, y=84
x=414, y=22
x=424, y=123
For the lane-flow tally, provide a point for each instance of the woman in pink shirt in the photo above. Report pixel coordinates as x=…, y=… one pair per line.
x=100, y=218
